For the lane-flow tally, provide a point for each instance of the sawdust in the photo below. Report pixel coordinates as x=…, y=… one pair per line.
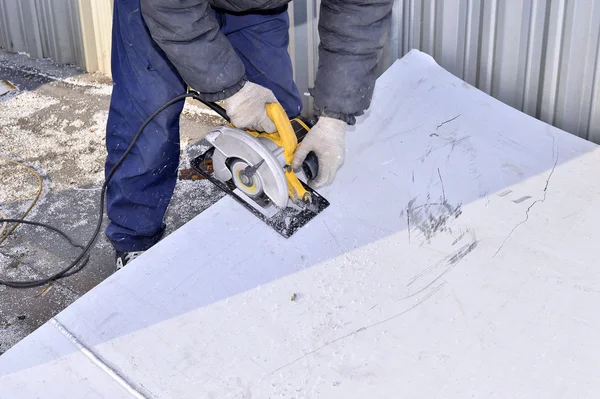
x=59, y=130
x=77, y=124
x=200, y=113
x=22, y=105
x=11, y=331
x=69, y=149
x=97, y=90
x=191, y=197
x=190, y=108
x=16, y=183
x=4, y=261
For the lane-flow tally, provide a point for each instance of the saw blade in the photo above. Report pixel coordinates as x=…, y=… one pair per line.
x=252, y=187
x=286, y=221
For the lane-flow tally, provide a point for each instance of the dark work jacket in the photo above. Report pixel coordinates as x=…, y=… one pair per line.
x=352, y=33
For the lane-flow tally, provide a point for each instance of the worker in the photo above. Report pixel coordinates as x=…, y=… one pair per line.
x=235, y=51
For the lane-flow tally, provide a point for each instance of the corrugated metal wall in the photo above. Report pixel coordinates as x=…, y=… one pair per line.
x=540, y=56
x=67, y=31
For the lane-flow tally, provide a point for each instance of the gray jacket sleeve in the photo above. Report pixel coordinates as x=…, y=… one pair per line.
x=353, y=35
x=189, y=34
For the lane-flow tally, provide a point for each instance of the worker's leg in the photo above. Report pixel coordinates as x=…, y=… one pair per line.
x=144, y=80
x=261, y=40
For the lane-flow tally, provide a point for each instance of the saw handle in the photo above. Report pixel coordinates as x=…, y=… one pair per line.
x=310, y=166
x=286, y=135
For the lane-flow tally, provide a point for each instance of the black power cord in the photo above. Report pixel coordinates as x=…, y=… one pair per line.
x=83, y=257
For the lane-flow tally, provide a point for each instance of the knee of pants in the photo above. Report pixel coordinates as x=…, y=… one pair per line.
x=158, y=142
x=140, y=69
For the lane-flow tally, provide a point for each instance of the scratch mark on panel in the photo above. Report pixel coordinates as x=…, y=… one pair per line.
x=453, y=143
x=581, y=320
x=408, y=224
x=362, y=329
x=448, y=263
x=525, y=198
x=460, y=306
x=442, y=182
x=432, y=218
x=460, y=237
x=448, y=121
x=530, y=206
x=332, y=235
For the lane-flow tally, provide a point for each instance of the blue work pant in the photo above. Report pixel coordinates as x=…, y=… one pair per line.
x=144, y=79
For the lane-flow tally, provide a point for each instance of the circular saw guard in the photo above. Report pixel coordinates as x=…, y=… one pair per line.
x=231, y=144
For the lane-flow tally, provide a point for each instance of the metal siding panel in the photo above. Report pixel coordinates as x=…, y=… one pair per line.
x=31, y=30
x=451, y=49
x=75, y=32
x=428, y=25
x=61, y=21
x=5, y=41
x=540, y=56
x=594, y=129
x=59, y=29
x=488, y=45
x=462, y=29
x=554, y=37
x=102, y=12
x=514, y=50
x=416, y=17
x=395, y=39
x=567, y=69
x=533, y=65
x=472, y=40
x=22, y=30
x=89, y=52
x=505, y=75
x=406, y=25
x=591, y=40
x=521, y=12
x=45, y=30
x=577, y=67
x=49, y=27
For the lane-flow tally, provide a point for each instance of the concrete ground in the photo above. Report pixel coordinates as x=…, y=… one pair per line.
x=55, y=122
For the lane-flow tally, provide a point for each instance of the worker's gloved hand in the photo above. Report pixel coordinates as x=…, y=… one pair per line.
x=246, y=108
x=327, y=140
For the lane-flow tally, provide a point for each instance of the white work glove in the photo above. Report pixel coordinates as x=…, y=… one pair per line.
x=327, y=140
x=246, y=108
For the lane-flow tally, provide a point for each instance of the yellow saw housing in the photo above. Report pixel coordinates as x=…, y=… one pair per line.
x=285, y=138
x=255, y=170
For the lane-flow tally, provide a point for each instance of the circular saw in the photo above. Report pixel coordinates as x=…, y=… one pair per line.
x=255, y=169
